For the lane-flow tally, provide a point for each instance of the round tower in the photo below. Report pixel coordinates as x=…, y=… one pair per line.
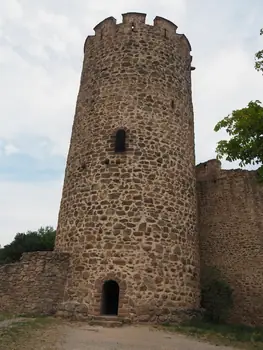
x=128, y=213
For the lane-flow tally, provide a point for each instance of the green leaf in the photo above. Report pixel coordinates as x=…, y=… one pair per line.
x=259, y=58
x=245, y=128
x=41, y=240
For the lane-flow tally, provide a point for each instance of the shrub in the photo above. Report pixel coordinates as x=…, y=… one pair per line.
x=40, y=240
x=216, y=296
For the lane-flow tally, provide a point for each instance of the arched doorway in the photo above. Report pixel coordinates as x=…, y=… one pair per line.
x=110, y=298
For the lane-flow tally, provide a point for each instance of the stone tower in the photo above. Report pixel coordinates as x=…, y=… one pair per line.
x=128, y=214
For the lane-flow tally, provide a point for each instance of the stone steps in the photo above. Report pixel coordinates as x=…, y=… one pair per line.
x=107, y=321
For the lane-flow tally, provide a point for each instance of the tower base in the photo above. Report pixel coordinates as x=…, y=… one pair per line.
x=79, y=312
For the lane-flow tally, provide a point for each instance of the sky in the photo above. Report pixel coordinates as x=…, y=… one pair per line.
x=41, y=53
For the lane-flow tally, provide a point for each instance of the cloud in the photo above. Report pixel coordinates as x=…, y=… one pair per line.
x=27, y=207
x=229, y=82
x=11, y=10
x=41, y=53
x=10, y=149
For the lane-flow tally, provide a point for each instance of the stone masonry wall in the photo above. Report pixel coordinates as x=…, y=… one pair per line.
x=230, y=206
x=35, y=284
x=132, y=217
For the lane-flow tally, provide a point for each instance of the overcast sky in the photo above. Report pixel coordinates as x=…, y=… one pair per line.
x=41, y=52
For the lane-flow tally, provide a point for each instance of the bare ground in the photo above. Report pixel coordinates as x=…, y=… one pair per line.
x=81, y=336
x=85, y=337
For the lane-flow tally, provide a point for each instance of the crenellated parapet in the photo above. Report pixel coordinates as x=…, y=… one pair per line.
x=134, y=22
x=133, y=19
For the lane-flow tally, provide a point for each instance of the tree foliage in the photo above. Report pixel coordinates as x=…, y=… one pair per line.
x=40, y=240
x=259, y=58
x=245, y=126
x=216, y=296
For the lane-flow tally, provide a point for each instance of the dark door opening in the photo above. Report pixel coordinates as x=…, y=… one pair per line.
x=110, y=298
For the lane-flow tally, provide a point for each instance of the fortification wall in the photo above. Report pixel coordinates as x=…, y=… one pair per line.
x=230, y=204
x=35, y=284
x=131, y=217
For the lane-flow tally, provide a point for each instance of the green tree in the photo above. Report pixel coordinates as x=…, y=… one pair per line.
x=245, y=128
x=40, y=240
x=259, y=58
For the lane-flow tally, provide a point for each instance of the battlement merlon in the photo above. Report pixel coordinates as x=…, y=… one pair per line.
x=165, y=24
x=186, y=42
x=209, y=170
x=106, y=27
x=133, y=18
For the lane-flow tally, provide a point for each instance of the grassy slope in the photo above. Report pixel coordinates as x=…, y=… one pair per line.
x=22, y=334
x=239, y=336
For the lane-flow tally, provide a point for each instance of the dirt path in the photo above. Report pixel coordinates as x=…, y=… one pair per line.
x=61, y=335
x=85, y=337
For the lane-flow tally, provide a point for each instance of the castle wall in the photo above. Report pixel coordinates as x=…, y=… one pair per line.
x=230, y=206
x=35, y=284
x=132, y=217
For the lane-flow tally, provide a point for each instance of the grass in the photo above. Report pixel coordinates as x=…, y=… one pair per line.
x=5, y=316
x=240, y=336
x=19, y=334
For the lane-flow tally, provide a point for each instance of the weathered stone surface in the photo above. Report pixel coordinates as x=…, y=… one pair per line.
x=34, y=285
x=231, y=234
x=144, y=199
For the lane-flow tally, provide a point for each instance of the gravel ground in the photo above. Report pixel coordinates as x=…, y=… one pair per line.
x=84, y=337
x=81, y=336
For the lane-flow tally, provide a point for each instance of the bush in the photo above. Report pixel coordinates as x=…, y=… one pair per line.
x=216, y=296
x=41, y=240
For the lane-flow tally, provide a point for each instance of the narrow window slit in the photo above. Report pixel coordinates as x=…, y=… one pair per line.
x=120, y=141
